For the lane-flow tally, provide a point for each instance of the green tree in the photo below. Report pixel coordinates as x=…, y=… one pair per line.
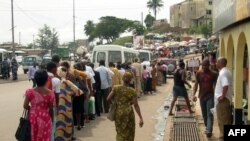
x=149, y=20
x=89, y=30
x=47, y=38
x=109, y=28
x=121, y=41
x=155, y=5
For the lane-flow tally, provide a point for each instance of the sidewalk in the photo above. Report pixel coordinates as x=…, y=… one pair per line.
x=200, y=125
x=21, y=77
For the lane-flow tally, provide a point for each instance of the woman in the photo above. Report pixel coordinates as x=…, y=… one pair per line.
x=64, y=125
x=41, y=102
x=179, y=88
x=124, y=97
x=159, y=75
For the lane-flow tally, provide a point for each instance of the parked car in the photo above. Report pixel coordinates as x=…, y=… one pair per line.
x=171, y=63
x=19, y=59
x=29, y=60
x=45, y=61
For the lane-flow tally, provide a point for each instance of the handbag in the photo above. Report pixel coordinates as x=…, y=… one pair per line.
x=112, y=110
x=23, y=132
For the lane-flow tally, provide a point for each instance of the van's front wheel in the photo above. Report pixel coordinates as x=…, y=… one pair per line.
x=25, y=71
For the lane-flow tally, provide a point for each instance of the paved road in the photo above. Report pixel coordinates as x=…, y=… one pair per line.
x=11, y=101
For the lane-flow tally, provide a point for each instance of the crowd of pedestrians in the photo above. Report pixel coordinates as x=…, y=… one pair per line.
x=9, y=66
x=62, y=95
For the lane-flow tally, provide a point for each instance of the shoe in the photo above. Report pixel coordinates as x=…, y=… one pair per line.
x=209, y=135
x=78, y=128
x=73, y=138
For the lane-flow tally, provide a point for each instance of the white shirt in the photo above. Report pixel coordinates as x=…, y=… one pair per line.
x=224, y=79
x=90, y=70
x=55, y=83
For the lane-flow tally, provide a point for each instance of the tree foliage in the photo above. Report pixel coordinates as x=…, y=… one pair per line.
x=203, y=29
x=149, y=20
x=109, y=28
x=121, y=41
x=47, y=38
x=155, y=5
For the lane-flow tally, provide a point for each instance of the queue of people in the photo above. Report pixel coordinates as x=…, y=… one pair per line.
x=60, y=97
x=9, y=66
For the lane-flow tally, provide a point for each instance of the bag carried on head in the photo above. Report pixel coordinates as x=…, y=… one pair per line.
x=23, y=132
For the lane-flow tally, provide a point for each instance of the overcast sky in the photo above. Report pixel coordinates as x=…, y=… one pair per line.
x=30, y=15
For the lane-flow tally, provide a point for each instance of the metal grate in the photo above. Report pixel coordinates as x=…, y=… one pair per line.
x=185, y=132
x=186, y=120
x=181, y=103
x=183, y=115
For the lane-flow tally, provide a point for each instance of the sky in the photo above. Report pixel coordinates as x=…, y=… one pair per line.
x=30, y=15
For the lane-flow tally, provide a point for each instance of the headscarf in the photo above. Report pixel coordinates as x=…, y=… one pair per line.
x=127, y=77
x=62, y=72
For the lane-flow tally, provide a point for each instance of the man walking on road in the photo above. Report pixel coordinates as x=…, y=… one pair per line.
x=138, y=78
x=206, y=80
x=31, y=73
x=223, y=95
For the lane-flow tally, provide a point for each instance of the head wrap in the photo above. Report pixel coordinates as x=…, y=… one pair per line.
x=127, y=77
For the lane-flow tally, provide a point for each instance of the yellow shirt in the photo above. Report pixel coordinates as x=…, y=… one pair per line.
x=82, y=75
x=116, y=79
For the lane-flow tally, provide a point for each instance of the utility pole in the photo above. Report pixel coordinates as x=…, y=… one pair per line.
x=33, y=41
x=19, y=39
x=142, y=18
x=74, y=30
x=12, y=28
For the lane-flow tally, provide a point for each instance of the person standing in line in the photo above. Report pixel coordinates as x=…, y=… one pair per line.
x=53, y=83
x=206, y=81
x=116, y=79
x=106, y=82
x=223, y=95
x=124, y=97
x=138, y=78
x=159, y=74
x=42, y=102
x=56, y=59
x=4, y=69
x=154, y=79
x=9, y=67
x=31, y=73
x=14, y=66
x=179, y=88
x=97, y=89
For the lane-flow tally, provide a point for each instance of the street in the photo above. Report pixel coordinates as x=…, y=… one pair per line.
x=101, y=129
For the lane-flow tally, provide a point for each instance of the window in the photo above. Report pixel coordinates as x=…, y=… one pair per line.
x=94, y=56
x=210, y=2
x=209, y=12
x=101, y=56
x=1, y=57
x=115, y=56
x=144, y=55
x=128, y=57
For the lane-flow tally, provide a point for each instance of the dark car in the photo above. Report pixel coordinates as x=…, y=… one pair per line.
x=44, y=63
x=171, y=63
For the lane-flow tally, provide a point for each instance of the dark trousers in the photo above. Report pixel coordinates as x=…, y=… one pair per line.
x=97, y=106
x=14, y=74
x=164, y=77
x=208, y=117
x=102, y=100
x=34, y=83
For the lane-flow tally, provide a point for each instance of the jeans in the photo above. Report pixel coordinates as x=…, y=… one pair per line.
x=208, y=117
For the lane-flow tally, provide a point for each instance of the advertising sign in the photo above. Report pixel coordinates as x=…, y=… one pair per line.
x=228, y=12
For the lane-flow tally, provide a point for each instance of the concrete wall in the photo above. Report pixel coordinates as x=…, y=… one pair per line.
x=232, y=46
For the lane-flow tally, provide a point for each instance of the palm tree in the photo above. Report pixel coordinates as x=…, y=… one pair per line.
x=155, y=5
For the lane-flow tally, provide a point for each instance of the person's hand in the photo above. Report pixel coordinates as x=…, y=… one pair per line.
x=189, y=86
x=29, y=79
x=141, y=123
x=194, y=98
x=221, y=98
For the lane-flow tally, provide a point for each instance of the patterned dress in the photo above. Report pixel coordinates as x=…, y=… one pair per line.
x=64, y=125
x=124, y=117
x=39, y=117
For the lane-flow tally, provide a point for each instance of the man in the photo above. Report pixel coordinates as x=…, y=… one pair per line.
x=5, y=69
x=116, y=79
x=56, y=59
x=223, y=95
x=138, y=78
x=53, y=83
x=206, y=80
x=14, y=66
x=97, y=89
x=31, y=73
x=106, y=80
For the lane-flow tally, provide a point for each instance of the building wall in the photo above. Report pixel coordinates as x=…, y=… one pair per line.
x=232, y=46
x=187, y=13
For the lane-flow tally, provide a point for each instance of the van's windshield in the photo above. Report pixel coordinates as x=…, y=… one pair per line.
x=29, y=59
x=144, y=55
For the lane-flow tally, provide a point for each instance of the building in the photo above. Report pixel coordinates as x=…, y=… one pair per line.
x=231, y=19
x=191, y=13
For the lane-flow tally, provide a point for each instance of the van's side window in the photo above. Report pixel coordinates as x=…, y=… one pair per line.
x=94, y=56
x=115, y=56
x=101, y=56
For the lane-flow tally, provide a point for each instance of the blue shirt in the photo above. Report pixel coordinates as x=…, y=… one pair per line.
x=105, y=76
x=31, y=72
